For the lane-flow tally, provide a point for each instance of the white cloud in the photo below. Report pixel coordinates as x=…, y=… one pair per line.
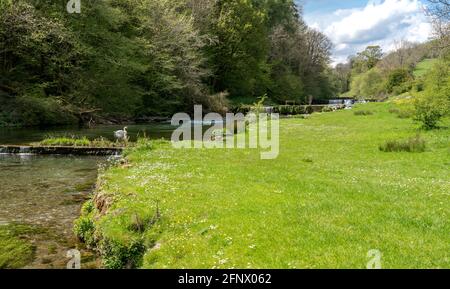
x=378, y=23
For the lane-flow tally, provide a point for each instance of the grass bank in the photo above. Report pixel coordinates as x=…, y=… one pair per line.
x=330, y=197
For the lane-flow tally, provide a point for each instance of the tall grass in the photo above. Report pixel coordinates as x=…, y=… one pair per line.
x=363, y=112
x=66, y=141
x=413, y=145
x=74, y=141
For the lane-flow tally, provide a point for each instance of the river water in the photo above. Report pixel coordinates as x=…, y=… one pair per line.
x=48, y=191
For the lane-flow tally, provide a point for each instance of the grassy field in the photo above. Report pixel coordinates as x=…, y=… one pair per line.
x=329, y=198
x=423, y=67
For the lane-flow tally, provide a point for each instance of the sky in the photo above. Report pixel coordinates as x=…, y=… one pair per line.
x=353, y=25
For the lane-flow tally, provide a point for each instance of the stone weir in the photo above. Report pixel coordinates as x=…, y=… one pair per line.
x=59, y=150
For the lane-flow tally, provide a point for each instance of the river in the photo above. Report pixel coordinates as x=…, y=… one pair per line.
x=48, y=191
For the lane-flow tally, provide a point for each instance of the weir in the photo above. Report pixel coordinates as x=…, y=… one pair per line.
x=60, y=150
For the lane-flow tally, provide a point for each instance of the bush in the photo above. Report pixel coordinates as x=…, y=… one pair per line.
x=293, y=109
x=398, y=81
x=363, y=112
x=84, y=229
x=117, y=255
x=218, y=103
x=414, y=144
x=370, y=84
x=434, y=102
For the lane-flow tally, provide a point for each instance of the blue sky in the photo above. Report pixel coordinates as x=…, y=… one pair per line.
x=352, y=25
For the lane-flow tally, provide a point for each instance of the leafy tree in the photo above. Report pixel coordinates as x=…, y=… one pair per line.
x=366, y=59
x=434, y=102
x=398, y=78
x=128, y=59
x=238, y=57
x=368, y=85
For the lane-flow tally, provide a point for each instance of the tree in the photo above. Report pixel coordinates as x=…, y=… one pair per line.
x=342, y=73
x=397, y=80
x=439, y=11
x=369, y=84
x=366, y=59
x=238, y=57
x=434, y=102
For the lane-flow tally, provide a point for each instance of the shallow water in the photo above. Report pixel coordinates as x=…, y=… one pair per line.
x=48, y=191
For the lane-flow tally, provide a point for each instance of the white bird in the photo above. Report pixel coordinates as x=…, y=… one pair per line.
x=121, y=135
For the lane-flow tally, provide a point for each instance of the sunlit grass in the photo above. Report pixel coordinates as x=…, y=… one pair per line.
x=329, y=198
x=75, y=141
x=423, y=67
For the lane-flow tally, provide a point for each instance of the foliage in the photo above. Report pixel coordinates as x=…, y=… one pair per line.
x=434, y=102
x=367, y=59
x=371, y=74
x=117, y=255
x=84, y=229
x=396, y=81
x=369, y=84
x=125, y=59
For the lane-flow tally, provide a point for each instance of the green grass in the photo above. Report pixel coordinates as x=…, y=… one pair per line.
x=65, y=141
x=423, y=67
x=329, y=198
x=363, y=112
x=78, y=142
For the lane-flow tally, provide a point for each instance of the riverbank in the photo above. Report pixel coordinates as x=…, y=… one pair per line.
x=330, y=197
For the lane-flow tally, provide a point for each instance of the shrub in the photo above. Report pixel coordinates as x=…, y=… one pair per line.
x=370, y=84
x=398, y=81
x=218, y=103
x=84, y=229
x=414, y=144
x=434, y=102
x=87, y=208
x=117, y=255
x=363, y=112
